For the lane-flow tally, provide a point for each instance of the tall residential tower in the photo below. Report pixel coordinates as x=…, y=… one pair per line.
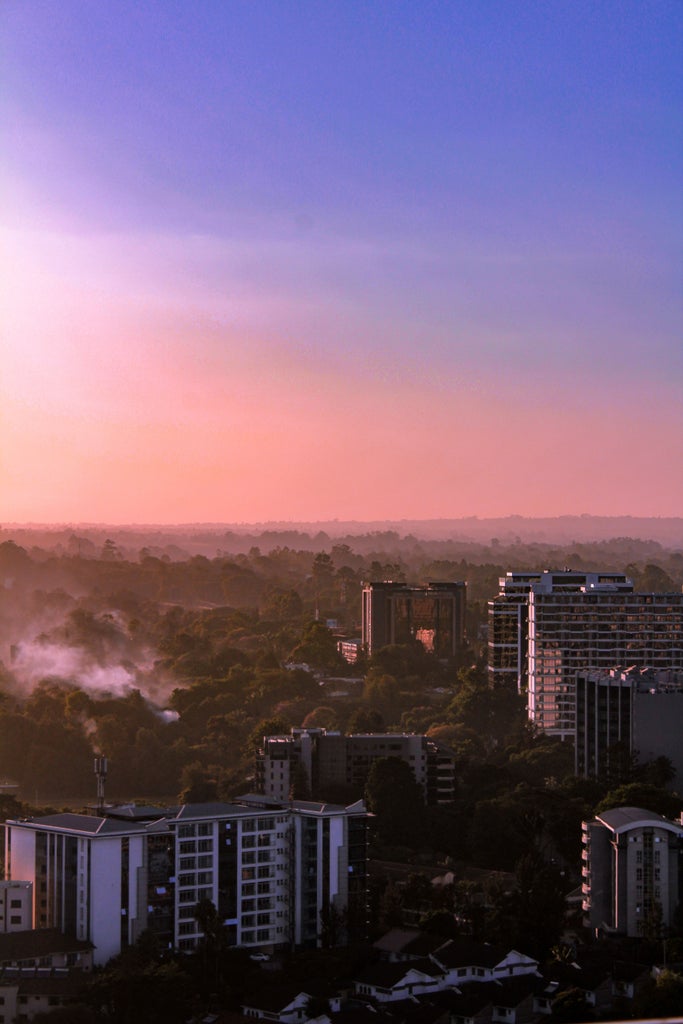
x=546, y=627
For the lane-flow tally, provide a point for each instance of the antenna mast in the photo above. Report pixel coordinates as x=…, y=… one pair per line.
x=101, y=774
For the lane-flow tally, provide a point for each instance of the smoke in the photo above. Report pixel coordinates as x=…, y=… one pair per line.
x=52, y=636
x=33, y=662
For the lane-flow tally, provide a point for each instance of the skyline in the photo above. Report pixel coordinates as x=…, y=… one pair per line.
x=348, y=261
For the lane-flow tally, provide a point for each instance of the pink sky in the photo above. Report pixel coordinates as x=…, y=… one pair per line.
x=303, y=320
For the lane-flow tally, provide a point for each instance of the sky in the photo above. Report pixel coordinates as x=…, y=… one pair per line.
x=340, y=260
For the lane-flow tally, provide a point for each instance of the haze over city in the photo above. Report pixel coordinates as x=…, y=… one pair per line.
x=270, y=261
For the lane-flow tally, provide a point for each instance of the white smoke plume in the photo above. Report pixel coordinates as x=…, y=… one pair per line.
x=34, y=662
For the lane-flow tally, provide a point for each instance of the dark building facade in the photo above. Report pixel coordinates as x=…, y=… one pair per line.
x=641, y=710
x=331, y=759
x=395, y=613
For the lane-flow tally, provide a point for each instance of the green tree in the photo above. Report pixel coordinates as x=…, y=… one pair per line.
x=365, y=720
x=638, y=794
x=318, y=648
x=496, y=716
x=397, y=801
x=663, y=997
x=275, y=726
x=570, y=1006
x=198, y=783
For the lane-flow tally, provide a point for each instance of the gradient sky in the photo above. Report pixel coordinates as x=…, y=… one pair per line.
x=313, y=260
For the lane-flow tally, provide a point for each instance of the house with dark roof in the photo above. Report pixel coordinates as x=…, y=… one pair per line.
x=28, y=991
x=45, y=948
x=286, y=1004
x=401, y=944
x=464, y=960
x=387, y=982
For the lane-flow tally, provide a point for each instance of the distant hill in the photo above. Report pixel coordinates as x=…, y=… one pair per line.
x=211, y=536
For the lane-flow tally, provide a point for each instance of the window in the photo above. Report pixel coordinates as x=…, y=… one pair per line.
x=15, y=904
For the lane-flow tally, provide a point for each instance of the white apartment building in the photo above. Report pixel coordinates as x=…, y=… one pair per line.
x=271, y=870
x=632, y=872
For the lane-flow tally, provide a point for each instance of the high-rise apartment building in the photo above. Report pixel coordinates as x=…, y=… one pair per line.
x=632, y=872
x=568, y=621
x=395, y=613
x=270, y=869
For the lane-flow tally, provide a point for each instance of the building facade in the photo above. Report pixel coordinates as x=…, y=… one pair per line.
x=639, y=709
x=16, y=906
x=632, y=872
x=395, y=613
x=568, y=621
x=272, y=871
x=324, y=760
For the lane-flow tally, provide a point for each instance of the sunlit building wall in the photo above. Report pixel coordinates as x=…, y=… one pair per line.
x=545, y=627
x=272, y=872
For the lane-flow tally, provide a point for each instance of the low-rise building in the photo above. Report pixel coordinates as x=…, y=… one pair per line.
x=322, y=760
x=16, y=906
x=41, y=971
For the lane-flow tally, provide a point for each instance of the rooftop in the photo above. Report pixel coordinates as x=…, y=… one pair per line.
x=28, y=945
x=620, y=819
